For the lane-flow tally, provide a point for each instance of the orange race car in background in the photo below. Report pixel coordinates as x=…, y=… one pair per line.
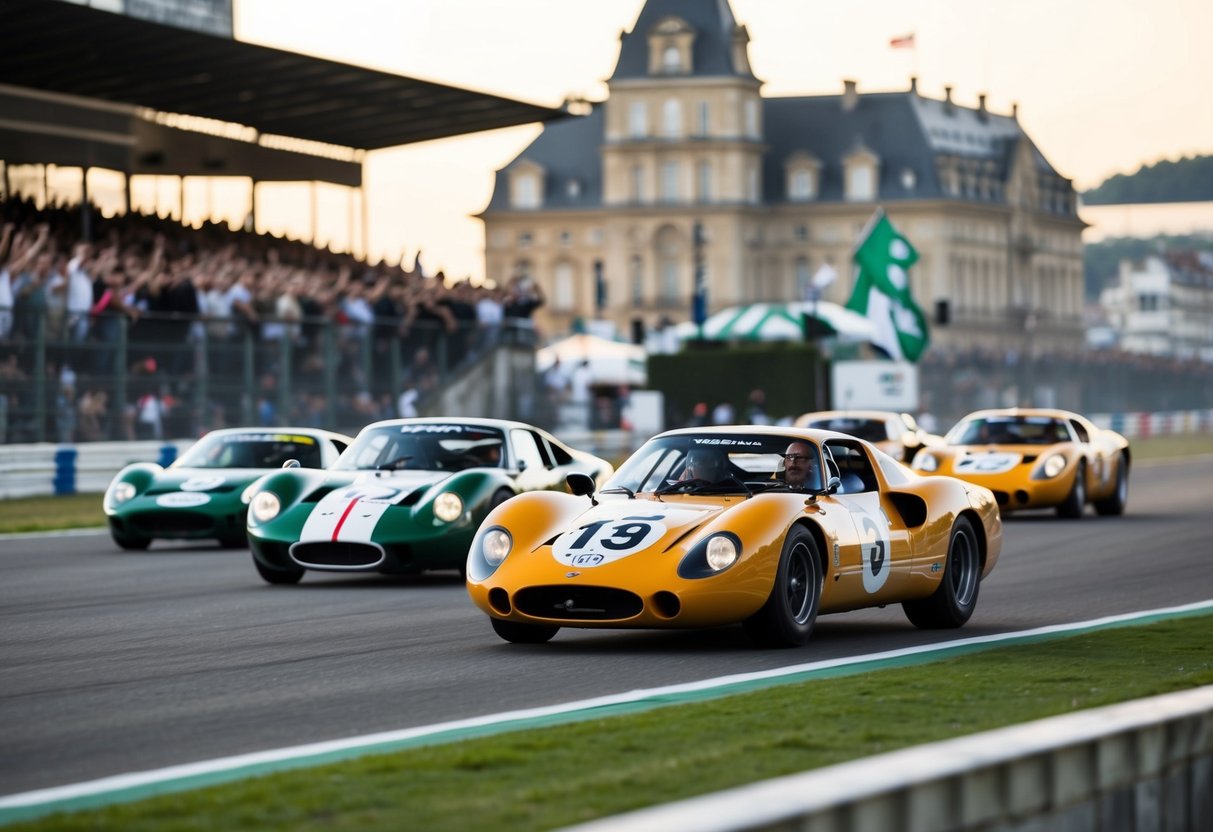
x=1036, y=458
x=760, y=526
x=895, y=433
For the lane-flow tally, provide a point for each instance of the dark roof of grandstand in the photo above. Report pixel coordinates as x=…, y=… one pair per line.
x=66, y=48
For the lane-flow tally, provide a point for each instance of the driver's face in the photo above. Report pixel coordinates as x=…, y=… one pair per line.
x=797, y=461
x=703, y=467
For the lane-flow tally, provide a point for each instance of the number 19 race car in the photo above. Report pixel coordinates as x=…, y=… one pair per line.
x=405, y=497
x=1036, y=458
x=762, y=526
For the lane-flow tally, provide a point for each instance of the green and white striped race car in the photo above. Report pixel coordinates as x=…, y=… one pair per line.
x=407, y=496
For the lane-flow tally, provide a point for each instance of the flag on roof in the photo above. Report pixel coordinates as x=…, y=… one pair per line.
x=903, y=41
x=882, y=290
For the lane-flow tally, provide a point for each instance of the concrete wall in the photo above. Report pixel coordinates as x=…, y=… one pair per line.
x=1142, y=765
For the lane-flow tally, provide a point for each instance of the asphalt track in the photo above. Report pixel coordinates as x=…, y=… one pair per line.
x=114, y=662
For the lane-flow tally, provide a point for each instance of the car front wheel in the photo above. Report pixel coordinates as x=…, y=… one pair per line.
x=787, y=618
x=278, y=576
x=517, y=632
x=954, y=600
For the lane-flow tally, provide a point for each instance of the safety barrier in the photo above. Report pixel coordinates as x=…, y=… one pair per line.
x=45, y=468
x=1146, y=764
x=1141, y=425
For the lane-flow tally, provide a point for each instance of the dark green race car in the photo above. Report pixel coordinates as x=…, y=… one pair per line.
x=406, y=496
x=202, y=495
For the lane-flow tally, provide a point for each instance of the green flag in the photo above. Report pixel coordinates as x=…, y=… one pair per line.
x=882, y=291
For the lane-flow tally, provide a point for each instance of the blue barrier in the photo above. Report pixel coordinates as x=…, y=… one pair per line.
x=65, y=471
x=168, y=455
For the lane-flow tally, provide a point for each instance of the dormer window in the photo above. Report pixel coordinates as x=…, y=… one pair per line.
x=860, y=175
x=526, y=186
x=803, y=172
x=671, y=43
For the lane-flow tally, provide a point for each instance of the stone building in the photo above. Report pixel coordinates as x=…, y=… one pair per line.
x=602, y=210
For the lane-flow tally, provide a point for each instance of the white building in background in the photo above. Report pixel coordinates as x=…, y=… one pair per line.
x=1164, y=306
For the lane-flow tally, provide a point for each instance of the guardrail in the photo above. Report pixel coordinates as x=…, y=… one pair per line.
x=1146, y=764
x=45, y=468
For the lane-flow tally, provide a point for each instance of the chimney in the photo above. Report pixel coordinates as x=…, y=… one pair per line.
x=981, y=107
x=914, y=85
x=1015, y=110
x=850, y=96
x=947, y=104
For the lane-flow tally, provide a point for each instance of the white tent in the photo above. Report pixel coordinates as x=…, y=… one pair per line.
x=611, y=362
x=779, y=322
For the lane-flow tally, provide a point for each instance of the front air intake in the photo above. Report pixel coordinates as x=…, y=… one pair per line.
x=578, y=603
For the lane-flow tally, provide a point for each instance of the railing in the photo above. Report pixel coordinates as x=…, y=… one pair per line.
x=174, y=376
x=1146, y=764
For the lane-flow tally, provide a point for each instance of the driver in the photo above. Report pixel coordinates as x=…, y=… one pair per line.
x=709, y=464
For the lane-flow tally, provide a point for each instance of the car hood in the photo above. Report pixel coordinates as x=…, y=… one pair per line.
x=388, y=486
x=615, y=529
x=205, y=479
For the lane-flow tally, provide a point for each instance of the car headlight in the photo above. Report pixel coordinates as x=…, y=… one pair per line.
x=121, y=492
x=496, y=544
x=265, y=506
x=246, y=496
x=926, y=462
x=448, y=507
x=1053, y=466
x=722, y=552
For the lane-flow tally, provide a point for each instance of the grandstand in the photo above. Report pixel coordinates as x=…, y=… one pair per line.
x=165, y=90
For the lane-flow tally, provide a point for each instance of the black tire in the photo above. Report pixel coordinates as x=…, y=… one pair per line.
x=521, y=633
x=954, y=600
x=500, y=497
x=278, y=576
x=1114, y=505
x=787, y=618
x=131, y=542
x=1071, y=508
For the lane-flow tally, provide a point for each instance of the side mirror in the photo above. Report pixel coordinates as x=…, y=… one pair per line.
x=291, y=463
x=580, y=484
x=833, y=485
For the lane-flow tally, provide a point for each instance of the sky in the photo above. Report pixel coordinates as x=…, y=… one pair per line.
x=1103, y=86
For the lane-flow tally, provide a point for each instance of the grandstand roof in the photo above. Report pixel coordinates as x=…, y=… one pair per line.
x=76, y=50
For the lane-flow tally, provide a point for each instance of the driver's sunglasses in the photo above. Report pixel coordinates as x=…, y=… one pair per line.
x=793, y=457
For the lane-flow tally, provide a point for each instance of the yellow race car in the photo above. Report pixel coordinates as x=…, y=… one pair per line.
x=763, y=526
x=1036, y=458
x=895, y=433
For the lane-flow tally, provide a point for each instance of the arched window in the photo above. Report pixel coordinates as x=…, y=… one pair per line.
x=671, y=119
x=671, y=58
x=563, y=295
x=638, y=120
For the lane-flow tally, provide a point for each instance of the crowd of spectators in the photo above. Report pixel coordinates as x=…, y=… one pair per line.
x=148, y=289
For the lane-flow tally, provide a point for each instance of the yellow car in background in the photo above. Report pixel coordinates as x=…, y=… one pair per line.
x=761, y=526
x=1036, y=458
x=895, y=433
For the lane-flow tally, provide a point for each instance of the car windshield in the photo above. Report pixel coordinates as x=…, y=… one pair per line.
x=424, y=447
x=251, y=450
x=1009, y=430
x=873, y=430
x=719, y=463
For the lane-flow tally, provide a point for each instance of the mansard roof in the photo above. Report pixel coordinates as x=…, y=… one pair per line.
x=904, y=130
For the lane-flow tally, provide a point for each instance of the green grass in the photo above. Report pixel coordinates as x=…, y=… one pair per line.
x=544, y=778
x=31, y=514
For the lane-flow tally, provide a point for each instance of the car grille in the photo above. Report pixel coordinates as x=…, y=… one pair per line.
x=578, y=603
x=171, y=521
x=337, y=554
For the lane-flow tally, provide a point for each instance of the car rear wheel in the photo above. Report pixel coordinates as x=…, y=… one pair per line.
x=517, y=632
x=1076, y=500
x=131, y=542
x=278, y=576
x=787, y=618
x=954, y=600
x=1115, y=504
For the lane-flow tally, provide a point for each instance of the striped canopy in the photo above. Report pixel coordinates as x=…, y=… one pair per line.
x=779, y=322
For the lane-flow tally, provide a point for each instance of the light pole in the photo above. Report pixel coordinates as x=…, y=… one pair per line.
x=699, y=299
